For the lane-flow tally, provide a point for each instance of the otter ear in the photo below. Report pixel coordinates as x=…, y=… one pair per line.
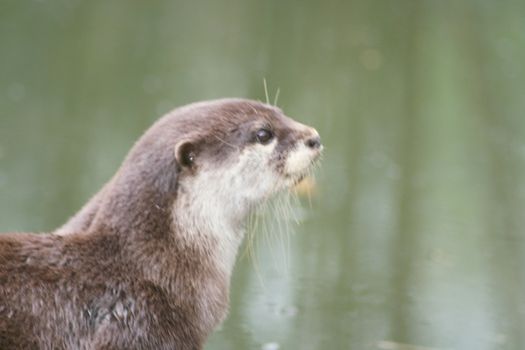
x=185, y=153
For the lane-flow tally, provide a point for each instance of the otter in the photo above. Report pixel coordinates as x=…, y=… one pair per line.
x=146, y=263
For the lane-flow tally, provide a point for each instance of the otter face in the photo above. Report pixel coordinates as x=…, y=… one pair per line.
x=233, y=155
x=247, y=152
x=284, y=151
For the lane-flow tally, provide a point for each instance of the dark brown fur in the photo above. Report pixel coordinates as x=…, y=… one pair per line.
x=123, y=277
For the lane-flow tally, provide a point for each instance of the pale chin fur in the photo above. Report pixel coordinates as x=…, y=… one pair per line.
x=219, y=200
x=214, y=204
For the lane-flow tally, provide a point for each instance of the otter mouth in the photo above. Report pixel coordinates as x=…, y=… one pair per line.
x=295, y=179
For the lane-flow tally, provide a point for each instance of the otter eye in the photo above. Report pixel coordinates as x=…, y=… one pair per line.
x=263, y=136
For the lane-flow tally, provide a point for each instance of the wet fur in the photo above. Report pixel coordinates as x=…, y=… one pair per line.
x=143, y=265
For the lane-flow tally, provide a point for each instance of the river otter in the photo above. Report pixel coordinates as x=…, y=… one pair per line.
x=146, y=263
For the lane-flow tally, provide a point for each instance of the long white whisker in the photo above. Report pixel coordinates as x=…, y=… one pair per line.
x=266, y=91
x=276, y=97
x=227, y=143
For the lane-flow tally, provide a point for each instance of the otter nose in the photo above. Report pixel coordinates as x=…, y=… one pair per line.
x=314, y=142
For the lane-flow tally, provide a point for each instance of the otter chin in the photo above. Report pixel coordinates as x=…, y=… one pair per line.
x=146, y=263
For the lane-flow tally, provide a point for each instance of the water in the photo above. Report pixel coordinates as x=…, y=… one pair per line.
x=414, y=237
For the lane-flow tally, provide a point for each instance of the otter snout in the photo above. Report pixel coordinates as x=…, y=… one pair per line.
x=313, y=140
x=304, y=154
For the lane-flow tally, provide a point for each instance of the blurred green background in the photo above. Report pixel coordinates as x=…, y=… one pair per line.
x=414, y=239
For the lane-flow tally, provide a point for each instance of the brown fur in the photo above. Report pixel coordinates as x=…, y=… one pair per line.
x=120, y=275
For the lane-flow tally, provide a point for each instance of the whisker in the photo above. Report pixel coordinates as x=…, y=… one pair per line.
x=266, y=91
x=256, y=267
x=276, y=97
x=270, y=233
x=251, y=225
x=252, y=242
x=227, y=143
x=280, y=216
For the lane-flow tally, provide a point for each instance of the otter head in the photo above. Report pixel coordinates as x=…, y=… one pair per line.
x=241, y=153
x=233, y=155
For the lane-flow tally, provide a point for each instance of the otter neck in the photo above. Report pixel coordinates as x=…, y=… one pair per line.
x=137, y=201
x=191, y=215
x=211, y=218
